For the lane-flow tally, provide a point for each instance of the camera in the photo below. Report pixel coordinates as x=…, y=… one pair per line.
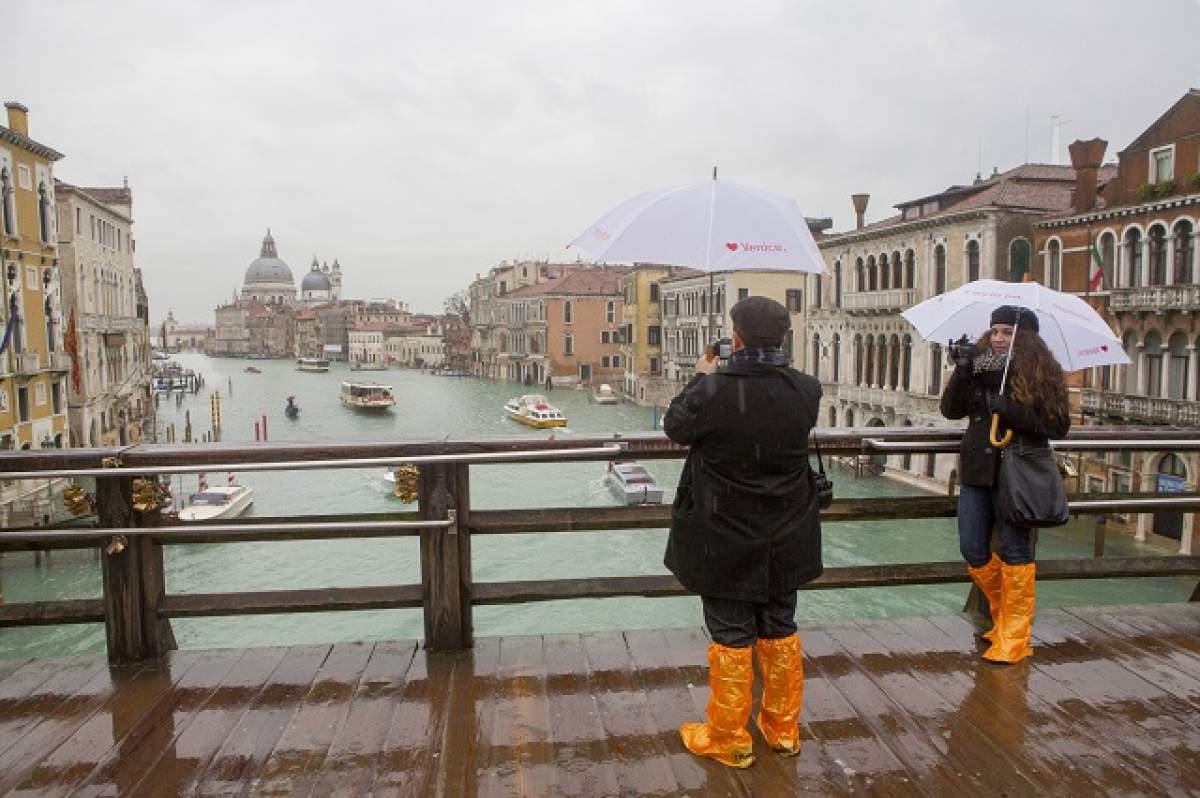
x=961, y=350
x=722, y=348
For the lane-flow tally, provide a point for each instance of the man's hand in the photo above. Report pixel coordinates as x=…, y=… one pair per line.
x=706, y=364
x=962, y=352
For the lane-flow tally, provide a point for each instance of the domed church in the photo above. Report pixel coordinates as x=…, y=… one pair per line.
x=322, y=284
x=268, y=279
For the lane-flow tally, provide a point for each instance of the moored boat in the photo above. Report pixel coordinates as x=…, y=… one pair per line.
x=222, y=501
x=367, y=396
x=314, y=364
x=633, y=483
x=534, y=410
x=605, y=395
x=357, y=366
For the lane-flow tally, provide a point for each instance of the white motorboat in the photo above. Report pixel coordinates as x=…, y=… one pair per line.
x=367, y=396
x=314, y=364
x=535, y=410
x=605, y=395
x=223, y=501
x=633, y=483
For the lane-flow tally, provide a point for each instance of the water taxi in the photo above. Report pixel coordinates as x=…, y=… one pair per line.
x=367, y=396
x=633, y=484
x=315, y=364
x=605, y=395
x=358, y=366
x=534, y=410
x=223, y=501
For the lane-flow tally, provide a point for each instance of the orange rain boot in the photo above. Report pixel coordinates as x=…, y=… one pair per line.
x=782, y=665
x=1018, y=595
x=724, y=736
x=987, y=577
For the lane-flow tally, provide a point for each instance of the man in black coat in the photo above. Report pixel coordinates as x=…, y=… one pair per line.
x=745, y=529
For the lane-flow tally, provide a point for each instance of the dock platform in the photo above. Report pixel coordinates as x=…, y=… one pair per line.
x=1109, y=704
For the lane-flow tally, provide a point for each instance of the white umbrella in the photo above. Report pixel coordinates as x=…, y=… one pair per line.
x=1077, y=336
x=713, y=225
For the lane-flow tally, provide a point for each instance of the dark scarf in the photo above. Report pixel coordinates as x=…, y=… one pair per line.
x=989, y=361
x=770, y=355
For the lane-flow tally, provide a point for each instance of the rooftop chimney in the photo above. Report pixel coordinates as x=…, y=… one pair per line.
x=860, y=209
x=18, y=118
x=1086, y=157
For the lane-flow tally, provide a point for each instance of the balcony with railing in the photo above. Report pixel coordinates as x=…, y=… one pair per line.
x=889, y=300
x=60, y=361
x=1156, y=298
x=867, y=396
x=28, y=363
x=1141, y=409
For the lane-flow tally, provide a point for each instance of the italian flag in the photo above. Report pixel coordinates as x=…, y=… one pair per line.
x=1097, y=277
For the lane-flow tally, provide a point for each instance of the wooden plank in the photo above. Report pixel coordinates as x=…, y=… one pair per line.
x=484, y=777
x=638, y=755
x=326, y=599
x=48, y=613
x=419, y=727
x=241, y=756
x=176, y=771
x=667, y=677
x=125, y=765
x=82, y=749
x=357, y=745
x=291, y=768
x=31, y=693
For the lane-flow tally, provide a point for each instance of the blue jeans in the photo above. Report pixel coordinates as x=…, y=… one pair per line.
x=976, y=517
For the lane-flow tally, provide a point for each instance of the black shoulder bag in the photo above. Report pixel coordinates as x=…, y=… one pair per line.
x=1029, y=490
x=822, y=484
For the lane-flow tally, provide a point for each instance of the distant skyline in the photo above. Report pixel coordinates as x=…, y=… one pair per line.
x=421, y=145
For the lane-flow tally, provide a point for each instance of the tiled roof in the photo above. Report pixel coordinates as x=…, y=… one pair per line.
x=582, y=282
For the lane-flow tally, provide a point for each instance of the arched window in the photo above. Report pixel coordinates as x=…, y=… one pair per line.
x=935, y=369
x=1158, y=255
x=870, y=370
x=939, y=269
x=44, y=213
x=885, y=272
x=897, y=270
x=849, y=417
x=837, y=358
x=1184, y=244
x=1108, y=248
x=858, y=360
x=910, y=269
x=817, y=293
x=972, y=260
x=872, y=274
x=881, y=377
x=1133, y=257
x=1177, y=366
x=894, y=362
x=1053, y=264
x=1152, y=356
x=832, y=416
x=906, y=364
x=1018, y=260
x=6, y=191
x=814, y=366
x=837, y=284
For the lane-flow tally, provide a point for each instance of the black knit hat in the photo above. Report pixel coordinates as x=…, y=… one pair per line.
x=1009, y=314
x=760, y=321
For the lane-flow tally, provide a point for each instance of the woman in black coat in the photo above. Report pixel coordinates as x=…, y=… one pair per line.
x=1035, y=410
x=745, y=531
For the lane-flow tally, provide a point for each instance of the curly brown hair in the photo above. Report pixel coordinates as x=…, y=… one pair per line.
x=1036, y=377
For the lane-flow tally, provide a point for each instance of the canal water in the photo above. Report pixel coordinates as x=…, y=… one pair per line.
x=461, y=407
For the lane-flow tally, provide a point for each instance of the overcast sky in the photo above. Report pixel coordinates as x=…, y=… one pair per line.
x=422, y=143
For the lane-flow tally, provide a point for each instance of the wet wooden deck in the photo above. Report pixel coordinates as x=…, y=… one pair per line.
x=1110, y=704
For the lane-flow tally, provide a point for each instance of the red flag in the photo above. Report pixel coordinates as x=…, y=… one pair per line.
x=71, y=344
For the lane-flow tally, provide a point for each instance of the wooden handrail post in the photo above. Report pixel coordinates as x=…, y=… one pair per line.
x=1099, y=530
x=157, y=633
x=445, y=558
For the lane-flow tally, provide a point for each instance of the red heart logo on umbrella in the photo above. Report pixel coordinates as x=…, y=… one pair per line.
x=1103, y=347
x=731, y=246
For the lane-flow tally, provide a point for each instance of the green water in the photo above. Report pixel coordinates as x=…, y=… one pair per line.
x=463, y=407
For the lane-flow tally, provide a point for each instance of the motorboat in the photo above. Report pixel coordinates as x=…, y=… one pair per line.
x=223, y=501
x=633, y=483
x=357, y=366
x=314, y=364
x=605, y=395
x=252, y=370
x=367, y=396
x=534, y=410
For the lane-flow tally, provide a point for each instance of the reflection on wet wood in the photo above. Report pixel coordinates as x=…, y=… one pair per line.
x=1110, y=704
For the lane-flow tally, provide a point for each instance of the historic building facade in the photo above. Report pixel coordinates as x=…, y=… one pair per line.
x=874, y=368
x=322, y=284
x=645, y=379
x=1128, y=245
x=176, y=337
x=484, y=297
x=107, y=326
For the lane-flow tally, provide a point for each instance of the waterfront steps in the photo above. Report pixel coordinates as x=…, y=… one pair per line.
x=1110, y=704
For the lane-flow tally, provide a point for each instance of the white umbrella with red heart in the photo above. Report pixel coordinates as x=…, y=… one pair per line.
x=1075, y=333
x=714, y=225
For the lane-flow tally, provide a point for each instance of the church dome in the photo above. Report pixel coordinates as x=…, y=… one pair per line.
x=268, y=268
x=315, y=280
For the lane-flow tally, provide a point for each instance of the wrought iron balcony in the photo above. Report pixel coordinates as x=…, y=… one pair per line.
x=1156, y=298
x=1144, y=409
x=887, y=301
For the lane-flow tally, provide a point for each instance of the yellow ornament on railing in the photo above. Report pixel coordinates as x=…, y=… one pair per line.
x=78, y=501
x=148, y=494
x=407, y=478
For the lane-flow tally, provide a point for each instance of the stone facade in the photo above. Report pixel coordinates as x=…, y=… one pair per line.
x=645, y=379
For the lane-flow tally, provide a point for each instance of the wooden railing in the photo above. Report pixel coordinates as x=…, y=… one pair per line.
x=136, y=606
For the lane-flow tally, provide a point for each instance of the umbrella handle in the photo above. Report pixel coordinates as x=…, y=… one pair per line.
x=993, y=435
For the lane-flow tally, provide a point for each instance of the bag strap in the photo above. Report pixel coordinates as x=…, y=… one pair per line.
x=817, y=449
